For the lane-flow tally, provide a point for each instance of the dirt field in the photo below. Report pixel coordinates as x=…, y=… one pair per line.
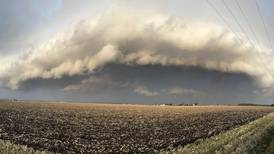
x=252, y=138
x=95, y=128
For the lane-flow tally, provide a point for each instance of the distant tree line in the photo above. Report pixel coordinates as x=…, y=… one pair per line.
x=249, y=104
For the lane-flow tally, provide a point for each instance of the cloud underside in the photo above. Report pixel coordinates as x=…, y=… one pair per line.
x=105, y=82
x=138, y=40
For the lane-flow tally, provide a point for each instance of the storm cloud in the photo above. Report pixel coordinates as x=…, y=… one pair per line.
x=137, y=39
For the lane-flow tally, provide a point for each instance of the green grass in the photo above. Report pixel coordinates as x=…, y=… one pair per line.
x=255, y=137
x=270, y=148
x=7, y=147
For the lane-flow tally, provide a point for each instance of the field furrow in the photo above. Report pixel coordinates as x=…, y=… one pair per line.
x=104, y=128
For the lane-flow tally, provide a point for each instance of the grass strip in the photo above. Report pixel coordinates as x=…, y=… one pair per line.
x=243, y=139
x=6, y=147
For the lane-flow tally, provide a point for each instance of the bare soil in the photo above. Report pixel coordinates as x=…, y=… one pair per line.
x=105, y=128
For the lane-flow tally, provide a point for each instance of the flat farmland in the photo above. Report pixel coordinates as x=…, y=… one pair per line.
x=106, y=128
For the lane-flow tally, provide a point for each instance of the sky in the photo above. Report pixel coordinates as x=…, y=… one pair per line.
x=137, y=51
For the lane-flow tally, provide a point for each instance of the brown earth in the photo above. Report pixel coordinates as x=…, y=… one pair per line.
x=106, y=128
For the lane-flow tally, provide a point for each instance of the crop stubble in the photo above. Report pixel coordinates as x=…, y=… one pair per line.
x=106, y=128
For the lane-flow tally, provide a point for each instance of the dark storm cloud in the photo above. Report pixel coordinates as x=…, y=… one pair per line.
x=142, y=56
x=56, y=84
x=148, y=83
x=177, y=75
x=155, y=83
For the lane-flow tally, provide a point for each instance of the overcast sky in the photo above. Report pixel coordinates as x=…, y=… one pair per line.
x=137, y=51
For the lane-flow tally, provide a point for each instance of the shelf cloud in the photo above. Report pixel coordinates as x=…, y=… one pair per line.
x=137, y=39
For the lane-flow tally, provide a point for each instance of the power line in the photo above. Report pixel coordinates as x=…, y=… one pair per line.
x=253, y=33
x=264, y=24
x=225, y=21
x=243, y=30
x=228, y=25
x=247, y=21
x=250, y=27
x=237, y=22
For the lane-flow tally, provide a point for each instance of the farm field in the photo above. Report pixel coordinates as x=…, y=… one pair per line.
x=254, y=137
x=106, y=128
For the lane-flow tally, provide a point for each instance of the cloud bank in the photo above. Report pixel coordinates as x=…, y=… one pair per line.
x=106, y=82
x=137, y=39
x=94, y=83
x=143, y=91
x=185, y=92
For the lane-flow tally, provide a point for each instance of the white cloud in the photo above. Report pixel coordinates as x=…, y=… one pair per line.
x=185, y=92
x=138, y=39
x=92, y=83
x=141, y=90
